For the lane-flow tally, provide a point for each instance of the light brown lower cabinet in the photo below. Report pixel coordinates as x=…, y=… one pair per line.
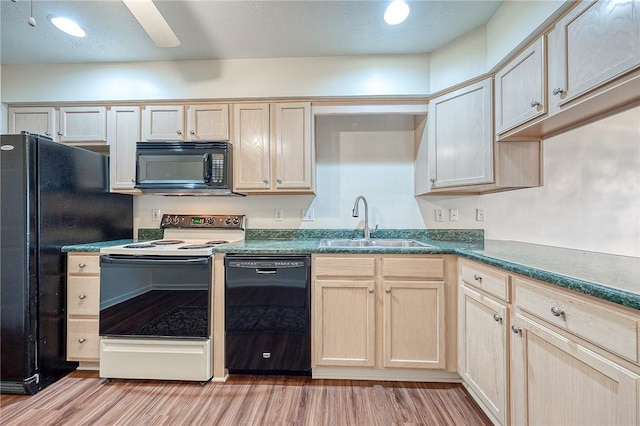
x=379, y=311
x=83, y=307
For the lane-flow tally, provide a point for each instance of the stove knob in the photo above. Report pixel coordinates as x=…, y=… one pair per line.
x=211, y=221
x=227, y=221
x=236, y=220
x=175, y=220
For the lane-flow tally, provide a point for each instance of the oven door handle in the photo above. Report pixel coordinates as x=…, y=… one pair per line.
x=164, y=260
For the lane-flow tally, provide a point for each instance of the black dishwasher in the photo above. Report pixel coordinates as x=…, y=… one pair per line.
x=267, y=314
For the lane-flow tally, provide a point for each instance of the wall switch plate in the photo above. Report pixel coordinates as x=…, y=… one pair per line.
x=278, y=214
x=308, y=215
x=453, y=215
x=480, y=215
x=439, y=215
x=155, y=215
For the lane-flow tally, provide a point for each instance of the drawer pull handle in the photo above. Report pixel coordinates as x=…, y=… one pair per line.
x=516, y=329
x=557, y=311
x=477, y=277
x=81, y=265
x=371, y=290
x=387, y=290
x=82, y=296
x=535, y=104
x=81, y=340
x=558, y=91
x=497, y=317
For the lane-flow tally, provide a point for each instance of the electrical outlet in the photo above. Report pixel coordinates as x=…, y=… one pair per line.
x=155, y=215
x=453, y=215
x=278, y=214
x=480, y=215
x=439, y=215
x=308, y=215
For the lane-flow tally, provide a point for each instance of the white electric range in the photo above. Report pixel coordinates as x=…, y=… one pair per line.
x=156, y=300
x=187, y=235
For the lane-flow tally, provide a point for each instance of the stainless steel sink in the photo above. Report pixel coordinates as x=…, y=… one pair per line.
x=375, y=242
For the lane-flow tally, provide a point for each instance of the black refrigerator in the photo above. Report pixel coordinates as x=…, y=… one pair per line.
x=52, y=195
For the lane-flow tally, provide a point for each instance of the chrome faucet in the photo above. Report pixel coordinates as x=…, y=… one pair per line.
x=356, y=213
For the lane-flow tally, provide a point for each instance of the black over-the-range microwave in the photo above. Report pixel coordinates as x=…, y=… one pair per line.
x=184, y=168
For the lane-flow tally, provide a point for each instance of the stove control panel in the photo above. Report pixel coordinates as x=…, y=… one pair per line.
x=202, y=221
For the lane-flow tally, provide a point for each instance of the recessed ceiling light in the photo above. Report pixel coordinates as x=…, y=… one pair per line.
x=67, y=25
x=396, y=12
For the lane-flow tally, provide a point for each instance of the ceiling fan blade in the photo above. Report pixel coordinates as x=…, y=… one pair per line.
x=153, y=22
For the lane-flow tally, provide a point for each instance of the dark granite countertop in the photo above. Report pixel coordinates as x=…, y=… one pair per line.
x=609, y=277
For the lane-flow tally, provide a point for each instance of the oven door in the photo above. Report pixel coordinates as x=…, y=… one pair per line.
x=177, y=166
x=155, y=296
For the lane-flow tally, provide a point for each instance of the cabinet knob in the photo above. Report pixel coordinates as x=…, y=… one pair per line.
x=432, y=180
x=81, y=340
x=477, y=277
x=557, y=91
x=497, y=317
x=82, y=296
x=516, y=329
x=265, y=181
x=81, y=265
x=59, y=133
x=535, y=104
x=133, y=180
x=192, y=133
x=557, y=311
x=387, y=290
x=179, y=132
x=371, y=290
x=47, y=133
x=279, y=180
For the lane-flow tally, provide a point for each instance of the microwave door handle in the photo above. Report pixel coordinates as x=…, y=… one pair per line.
x=206, y=168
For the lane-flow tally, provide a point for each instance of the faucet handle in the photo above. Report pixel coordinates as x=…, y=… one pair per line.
x=371, y=230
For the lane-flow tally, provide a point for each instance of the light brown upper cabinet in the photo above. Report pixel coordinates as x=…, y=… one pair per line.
x=273, y=148
x=593, y=69
x=39, y=120
x=123, y=133
x=457, y=153
x=205, y=122
x=594, y=43
x=73, y=125
x=520, y=88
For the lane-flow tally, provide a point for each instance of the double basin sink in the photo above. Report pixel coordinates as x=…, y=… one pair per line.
x=375, y=242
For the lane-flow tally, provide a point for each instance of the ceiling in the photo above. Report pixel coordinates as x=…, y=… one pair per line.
x=217, y=29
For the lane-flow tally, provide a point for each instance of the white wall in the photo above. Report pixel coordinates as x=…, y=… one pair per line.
x=590, y=199
x=359, y=155
x=240, y=78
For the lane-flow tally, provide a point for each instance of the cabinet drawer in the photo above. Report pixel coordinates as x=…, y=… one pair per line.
x=83, y=340
x=613, y=331
x=413, y=267
x=83, y=295
x=490, y=280
x=83, y=264
x=351, y=266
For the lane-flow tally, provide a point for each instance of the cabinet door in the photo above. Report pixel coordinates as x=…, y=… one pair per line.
x=344, y=323
x=39, y=120
x=163, y=123
x=460, y=133
x=596, y=42
x=83, y=124
x=414, y=324
x=482, y=349
x=251, y=147
x=557, y=381
x=521, y=89
x=293, y=146
x=124, y=132
x=208, y=122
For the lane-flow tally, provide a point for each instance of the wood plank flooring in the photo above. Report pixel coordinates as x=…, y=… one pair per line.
x=84, y=399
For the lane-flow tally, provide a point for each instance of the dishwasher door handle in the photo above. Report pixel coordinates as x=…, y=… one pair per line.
x=266, y=271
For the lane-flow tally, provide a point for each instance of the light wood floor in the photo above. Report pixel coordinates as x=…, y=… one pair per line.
x=84, y=399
